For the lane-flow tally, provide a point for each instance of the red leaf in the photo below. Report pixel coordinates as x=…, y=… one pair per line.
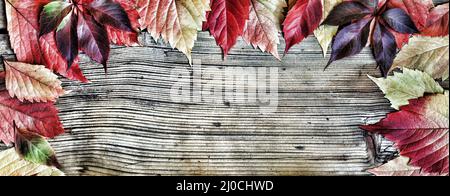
x=226, y=21
x=420, y=131
x=126, y=38
x=42, y=118
x=384, y=48
x=400, y=38
x=24, y=15
x=301, y=21
x=108, y=12
x=437, y=24
x=350, y=40
x=54, y=61
x=67, y=38
x=418, y=10
x=93, y=39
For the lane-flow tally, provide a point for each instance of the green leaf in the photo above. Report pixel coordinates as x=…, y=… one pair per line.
x=410, y=84
x=11, y=164
x=52, y=15
x=34, y=148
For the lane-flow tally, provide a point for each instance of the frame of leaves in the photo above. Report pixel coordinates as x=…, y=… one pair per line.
x=56, y=31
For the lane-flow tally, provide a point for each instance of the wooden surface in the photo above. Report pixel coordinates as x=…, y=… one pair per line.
x=126, y=124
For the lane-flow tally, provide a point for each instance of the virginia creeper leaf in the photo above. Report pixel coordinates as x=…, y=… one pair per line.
x=33, y=83
x=420, y=132
x=93, y=39
x=42, y=118
x=399, y=167
x=11, y=164
x=177, y=22
x=52, y=14
x=384, y=48
x=108, y=12
x=325, y=33
x=428, y=54
x=23, y=29
x=399, y=21
x=418, y=10
x=67, y=38
x=437, y=24
x=264, y=25
x=34, y=148
x=350, y=40
x=410, y=84
x=301, y=21
x=226, y=21
x=126, y=38
x=346, y=12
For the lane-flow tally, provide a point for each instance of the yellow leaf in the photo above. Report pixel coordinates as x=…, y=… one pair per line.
x=427, y=54
x=176, y=21
x=325, y=33
x=33, y=83
x=11, y=164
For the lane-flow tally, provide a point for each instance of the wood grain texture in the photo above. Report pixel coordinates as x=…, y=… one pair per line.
x=126, y=123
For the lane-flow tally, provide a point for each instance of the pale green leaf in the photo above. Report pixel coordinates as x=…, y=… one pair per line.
x=410, y=84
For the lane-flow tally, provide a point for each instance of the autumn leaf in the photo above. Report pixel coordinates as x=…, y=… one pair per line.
x=325, y=33
x=34, y=148
x=126, y=38
x=93, y=39
x=384, y=47
x=264, y=25
x=350, y=40
x=23, y=28
x=33, y=83
x=420, y=132
x=84, y=27
x=177, y=22
x=11, y=164
x=410, y=84
x=301, y=21
x=418, y=10
x=437, y=23
x=226, y=21
x=67, y=37
x=361, y=21
x=399, y=167
x=42, y=118
x=428, y=54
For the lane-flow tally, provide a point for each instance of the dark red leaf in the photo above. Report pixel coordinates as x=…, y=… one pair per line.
x=369, y=3
x=384, y=48
x=301, y=21
x=53, y=60
x=126, y=38
x=400, y=21
x=350, y=40
x=108, y=12
x=400, y=38
x=420, y=132
x=347, y=12
x=437, y=24
x=93, y=39
x=52, y=14
x=42, y=118
x=23, y=27
x=418, y=10
x=67, y=38
x=226, y=21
